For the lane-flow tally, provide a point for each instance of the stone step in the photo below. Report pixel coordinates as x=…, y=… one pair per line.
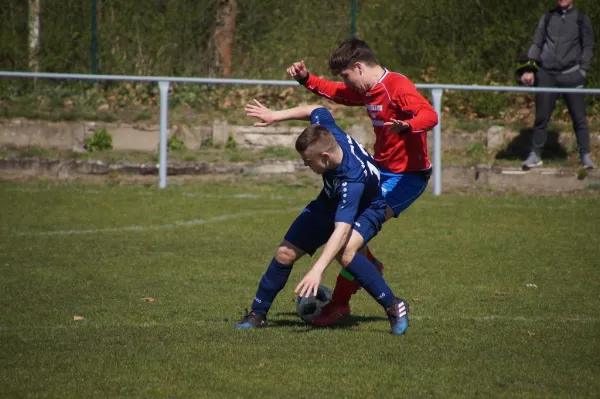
x=547, y=180
x=540, y=180
x=70, y=135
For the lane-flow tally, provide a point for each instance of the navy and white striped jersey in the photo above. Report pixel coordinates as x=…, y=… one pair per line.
x=354, y=185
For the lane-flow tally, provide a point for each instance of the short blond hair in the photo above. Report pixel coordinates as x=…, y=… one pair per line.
x=315, y=135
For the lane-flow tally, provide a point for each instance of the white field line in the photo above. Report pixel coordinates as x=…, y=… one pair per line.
x=242, y=196
x=245, y=196
x=149, y=193
x=546, y=321
x=250, y=196
x=172, y=225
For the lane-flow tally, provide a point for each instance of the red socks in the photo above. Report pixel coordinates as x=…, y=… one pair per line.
x=344, y=288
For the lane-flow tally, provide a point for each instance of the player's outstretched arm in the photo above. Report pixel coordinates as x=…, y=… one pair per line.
x=335, y=91
x=338, y=240
x=268, y=117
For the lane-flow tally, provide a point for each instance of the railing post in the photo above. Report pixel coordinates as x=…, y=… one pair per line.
x=164, y=105
x=437, y=143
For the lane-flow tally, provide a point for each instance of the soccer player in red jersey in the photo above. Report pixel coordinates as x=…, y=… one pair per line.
x=401, y=117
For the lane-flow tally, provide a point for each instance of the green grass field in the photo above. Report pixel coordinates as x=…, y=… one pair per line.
x=504, y=293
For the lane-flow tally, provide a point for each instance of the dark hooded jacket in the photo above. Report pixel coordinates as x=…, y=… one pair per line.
x=561, y=44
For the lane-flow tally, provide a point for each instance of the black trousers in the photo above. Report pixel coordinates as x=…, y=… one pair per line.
x=545, y=103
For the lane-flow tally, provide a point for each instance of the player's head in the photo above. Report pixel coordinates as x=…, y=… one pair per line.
x=316, y=145
x=350, y=60
x=565, y=3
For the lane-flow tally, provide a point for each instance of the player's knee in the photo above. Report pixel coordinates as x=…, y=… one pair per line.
x=347, y=256
x=287, y=253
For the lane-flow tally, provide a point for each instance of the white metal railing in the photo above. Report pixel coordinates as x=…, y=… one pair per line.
x=164, y=82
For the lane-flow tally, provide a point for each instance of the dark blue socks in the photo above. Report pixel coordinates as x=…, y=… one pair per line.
x=271, y=283
x=371, y=280
x=277, y=275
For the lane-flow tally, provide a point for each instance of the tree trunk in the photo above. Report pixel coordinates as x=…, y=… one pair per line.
x=223, y=37
x=99, y=11
x=34, y=35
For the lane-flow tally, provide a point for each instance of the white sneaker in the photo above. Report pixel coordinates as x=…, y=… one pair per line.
x=532, y=161
x=586, y=161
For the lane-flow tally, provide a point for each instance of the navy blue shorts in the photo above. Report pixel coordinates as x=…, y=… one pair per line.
x=313, y=227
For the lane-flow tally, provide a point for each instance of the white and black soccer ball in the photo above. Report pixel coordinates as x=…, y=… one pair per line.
x=308, y=308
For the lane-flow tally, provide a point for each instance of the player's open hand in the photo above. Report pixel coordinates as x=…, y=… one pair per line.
x=297, y=70
x=309, y=284
x=398, y=126
x=259, y=111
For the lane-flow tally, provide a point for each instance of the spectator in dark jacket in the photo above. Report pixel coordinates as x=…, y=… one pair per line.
x=562, y=51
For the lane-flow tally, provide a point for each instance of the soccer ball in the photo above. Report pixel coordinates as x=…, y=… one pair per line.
x=308, y=308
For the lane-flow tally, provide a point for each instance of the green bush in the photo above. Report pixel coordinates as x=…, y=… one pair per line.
x=143, y=115
x=33, y=152
x=208, y=142
x=174, y=143
x=101, y=140
x=441, y=41
x=477, y=153
x=231, y=144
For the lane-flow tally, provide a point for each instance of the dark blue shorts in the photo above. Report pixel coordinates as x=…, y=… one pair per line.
x=313, y=227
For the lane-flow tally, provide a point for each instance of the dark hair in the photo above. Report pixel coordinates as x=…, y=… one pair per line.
x=348, y=53
x=313, y=135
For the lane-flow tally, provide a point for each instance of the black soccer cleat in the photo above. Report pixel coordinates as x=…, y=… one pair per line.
x=251, y=320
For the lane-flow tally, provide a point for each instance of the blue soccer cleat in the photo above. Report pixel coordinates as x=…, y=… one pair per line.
x=398, y=316
x=251, y=320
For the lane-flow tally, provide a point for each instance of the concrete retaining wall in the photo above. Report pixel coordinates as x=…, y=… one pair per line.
x=544, y=180
x=22, y=133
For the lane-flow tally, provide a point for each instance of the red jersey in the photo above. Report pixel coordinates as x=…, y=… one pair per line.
x=394, y=96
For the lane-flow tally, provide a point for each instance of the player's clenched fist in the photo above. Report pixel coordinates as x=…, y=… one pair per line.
x=528, y=78
x=297, y=70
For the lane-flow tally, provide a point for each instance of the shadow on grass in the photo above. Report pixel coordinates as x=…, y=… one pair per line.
x=520, y=146
x=352, y=321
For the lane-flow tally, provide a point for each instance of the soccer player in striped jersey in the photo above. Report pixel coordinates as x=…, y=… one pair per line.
x=348, y=212
x=400, y=116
